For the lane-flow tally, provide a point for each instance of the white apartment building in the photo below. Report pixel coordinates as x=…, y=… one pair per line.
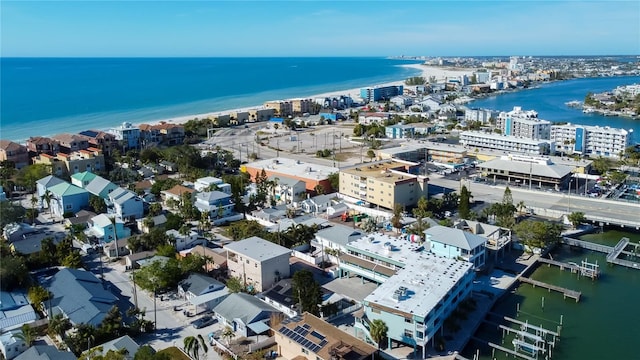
x=590, y=140
x=481, y=115
x=257, y=262
x=505, y=143
x=523, y=123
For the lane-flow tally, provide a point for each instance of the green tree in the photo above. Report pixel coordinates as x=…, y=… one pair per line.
x=13, y=272
x=28, y=175
x=58, y=325
x=396, y=219
x=155, y=209
x=319, y=189
x=146, y=352
x=537, y=234
x=34, y=212
x=72, y=260
x=47, y=197
x=378, y=331
x=601, y=164
x=10, y=213
x=111, y=325
x=98, y=204
x=464, y=208
x=334, y=180
x=576, y=218
x=422, y=208
x=307, y=291
x=235, y=284
x=38, y=296
x=192, y=347
x=371, y=154
x=27, y=334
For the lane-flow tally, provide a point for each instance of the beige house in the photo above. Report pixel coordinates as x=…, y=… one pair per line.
x=257, y=262
x=14, y=152
x=384, y=183
x=314, y=338
x=79, y=161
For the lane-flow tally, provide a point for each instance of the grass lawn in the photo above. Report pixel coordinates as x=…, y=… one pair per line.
x=174, y=353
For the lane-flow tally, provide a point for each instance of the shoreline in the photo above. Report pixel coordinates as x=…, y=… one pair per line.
x=425, y=71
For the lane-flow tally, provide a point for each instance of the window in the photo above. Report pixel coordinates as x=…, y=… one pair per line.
x=305, y=351
x=408, y=321
x=419, y=334
x=408, y=333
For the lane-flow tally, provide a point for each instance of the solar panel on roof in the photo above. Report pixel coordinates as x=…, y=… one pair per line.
x=306, y=326
x=323, y=343
x=317, y=335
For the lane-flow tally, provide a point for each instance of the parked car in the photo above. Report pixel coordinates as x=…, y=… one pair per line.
x=204, y=322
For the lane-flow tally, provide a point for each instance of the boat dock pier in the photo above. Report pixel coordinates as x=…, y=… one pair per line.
x=612, y=252
x=587, y=269
x=566, y=293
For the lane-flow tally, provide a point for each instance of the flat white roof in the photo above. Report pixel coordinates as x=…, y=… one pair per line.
x=593, y=129
x=291, y=167
x=397, y=249
x=508, y=138
x=427, y=281
x=257, y=248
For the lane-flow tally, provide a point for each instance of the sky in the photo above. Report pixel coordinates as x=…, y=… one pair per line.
x=317, y=28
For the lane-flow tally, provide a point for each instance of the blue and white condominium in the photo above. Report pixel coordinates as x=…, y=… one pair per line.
x=590, y=140
x=415, y=301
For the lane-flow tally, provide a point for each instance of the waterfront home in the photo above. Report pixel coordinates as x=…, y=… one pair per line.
x=245, y=314
x=69, y=143
x=310, y=337
x=14, y=152
x=127, y=135
x=457, y=244
x=100, y=139
x=42, y=145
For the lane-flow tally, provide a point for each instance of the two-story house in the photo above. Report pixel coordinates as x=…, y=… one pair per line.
x=126, y=204
x=14, y=152
x=203, y=292
x=215, y=203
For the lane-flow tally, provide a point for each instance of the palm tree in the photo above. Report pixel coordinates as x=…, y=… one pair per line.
x=47, y=199
x=34, y=202
x=521, y=206
x=378, y=331
x=192, y=347
x=228, y=334
x=203, y=344
x=396, y=219
x=27, y=334
x=58, y=325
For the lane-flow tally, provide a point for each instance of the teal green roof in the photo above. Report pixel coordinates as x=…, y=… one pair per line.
x=65, y=189
x=84, y=176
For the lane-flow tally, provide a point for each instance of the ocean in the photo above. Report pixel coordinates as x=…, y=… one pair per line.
x=46, y=96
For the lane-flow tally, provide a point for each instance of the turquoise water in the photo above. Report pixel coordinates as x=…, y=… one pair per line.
x=549, y=101
x=41, y=96
x=603, y=325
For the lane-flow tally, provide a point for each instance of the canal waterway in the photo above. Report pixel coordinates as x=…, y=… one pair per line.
x=605, y=323
x=549, y=101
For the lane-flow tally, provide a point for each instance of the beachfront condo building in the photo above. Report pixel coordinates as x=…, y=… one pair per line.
x=505, y=143
x=384, y=183
x=523, y=124
x=128, y=136
x=378, y=93
x=293, y=107
x=418, y=290
x=590, y=140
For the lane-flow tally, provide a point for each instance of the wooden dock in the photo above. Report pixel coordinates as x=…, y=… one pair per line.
x=560, y=264
x=585, y=269
x=567, y=293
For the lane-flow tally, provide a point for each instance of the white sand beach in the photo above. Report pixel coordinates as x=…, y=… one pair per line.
x=427, y=72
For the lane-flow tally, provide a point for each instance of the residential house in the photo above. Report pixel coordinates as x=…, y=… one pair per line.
x=14, y=152
x=82, y=179
x=80, y=296
x=127, y=135
x=202, y=291
x=175, y=194
x=310, y=337
x=457, y=244
x=42, y=145
x=69, y=143
x=45, y=352
x=245, y=314
x=131, y=260
x=401, y=101
x=101, y=140
x=109, y=249
x=146, y=224
x=215, y=203
x=67, y=198
x=11, y=345
x=81, y=218
x=336, y=237
x=61, y=164
x=15, y=310
x=100, y=187
x=123, y=343
x=185, y=241
x=430, y=103
x=288, y=190
x=400, y=131
x=373, y=118
x=30, y=241
x=317, y=204
x=216, y=258
x=257, y=262
x=126, y=204
x=43, y=185
x=205, y=183
x=102, y=228
x=498, y=238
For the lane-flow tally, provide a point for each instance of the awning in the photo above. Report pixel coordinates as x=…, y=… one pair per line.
x=258, y=327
